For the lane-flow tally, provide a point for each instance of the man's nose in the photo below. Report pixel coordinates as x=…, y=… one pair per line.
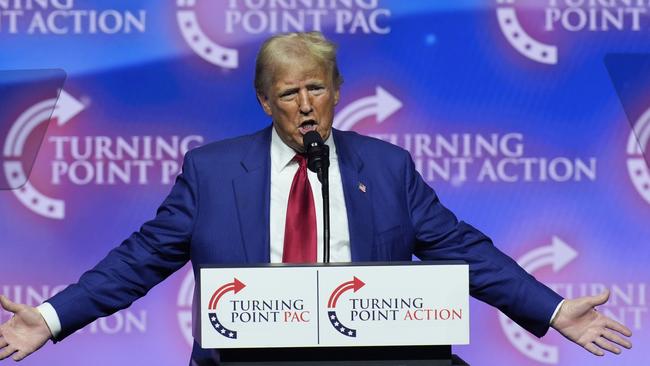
x=304, y=102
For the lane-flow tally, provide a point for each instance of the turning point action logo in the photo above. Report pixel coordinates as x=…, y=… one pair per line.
x=457, y=158
x=568, y=15
x=270, y=16
x=362, y=309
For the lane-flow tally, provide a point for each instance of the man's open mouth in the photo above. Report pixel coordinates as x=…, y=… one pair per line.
x=307, y=126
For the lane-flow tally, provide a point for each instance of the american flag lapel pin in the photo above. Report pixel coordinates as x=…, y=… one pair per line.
x=362, y=187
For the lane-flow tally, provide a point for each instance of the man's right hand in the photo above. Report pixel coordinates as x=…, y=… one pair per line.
x=24, y=333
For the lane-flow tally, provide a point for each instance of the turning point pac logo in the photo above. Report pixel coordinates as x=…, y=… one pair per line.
x=252, y=312
x=255, y=17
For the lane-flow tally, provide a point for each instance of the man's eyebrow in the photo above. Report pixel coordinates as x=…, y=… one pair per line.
x=289, y=90
x=315, y=82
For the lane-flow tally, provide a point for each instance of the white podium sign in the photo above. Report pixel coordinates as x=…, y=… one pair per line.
x=335, y=305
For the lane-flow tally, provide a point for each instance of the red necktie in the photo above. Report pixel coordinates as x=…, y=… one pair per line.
x=300, y=227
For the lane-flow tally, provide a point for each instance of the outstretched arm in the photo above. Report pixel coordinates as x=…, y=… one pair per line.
x=579, y=322
x=24, y=333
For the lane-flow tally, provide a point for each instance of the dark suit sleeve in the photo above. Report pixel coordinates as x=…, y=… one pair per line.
x=494, y=277
x=147, y=257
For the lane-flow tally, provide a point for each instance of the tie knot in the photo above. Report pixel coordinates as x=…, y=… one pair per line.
x=301, y=160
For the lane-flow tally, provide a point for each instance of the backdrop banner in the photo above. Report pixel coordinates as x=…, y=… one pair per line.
x=506, y=106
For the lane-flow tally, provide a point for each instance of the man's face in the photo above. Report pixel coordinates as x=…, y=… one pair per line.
x=300, y=98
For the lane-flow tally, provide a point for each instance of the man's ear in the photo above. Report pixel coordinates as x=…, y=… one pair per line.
x=337, y=95
x=264, y=102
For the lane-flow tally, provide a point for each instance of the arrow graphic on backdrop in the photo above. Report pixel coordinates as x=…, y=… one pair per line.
x=353, y=285
x=235, y=286
x=381, y=105
x=63, y=111
x=557, y=255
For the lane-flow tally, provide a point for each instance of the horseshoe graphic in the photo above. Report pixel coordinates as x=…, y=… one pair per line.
x=62, y=110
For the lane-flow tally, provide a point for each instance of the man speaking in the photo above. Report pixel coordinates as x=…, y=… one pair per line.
x=251, y=199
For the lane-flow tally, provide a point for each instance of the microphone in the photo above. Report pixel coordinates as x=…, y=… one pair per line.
x=318, y=154
x=318, y=161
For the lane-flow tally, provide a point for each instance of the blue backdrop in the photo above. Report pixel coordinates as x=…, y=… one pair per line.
x=506, y=106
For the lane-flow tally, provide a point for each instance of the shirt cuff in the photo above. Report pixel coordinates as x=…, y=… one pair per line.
x=557, y=310
x=51, y=318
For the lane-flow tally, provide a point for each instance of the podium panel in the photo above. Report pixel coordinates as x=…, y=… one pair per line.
x=401, y=304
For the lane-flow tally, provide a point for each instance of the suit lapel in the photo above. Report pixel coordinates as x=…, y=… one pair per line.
x=357, y=202
x=252, y=190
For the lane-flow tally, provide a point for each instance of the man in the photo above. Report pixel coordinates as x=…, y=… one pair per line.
x=249, y=200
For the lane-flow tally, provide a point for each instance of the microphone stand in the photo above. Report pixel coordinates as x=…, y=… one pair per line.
x=323, y=177
x=318, y=155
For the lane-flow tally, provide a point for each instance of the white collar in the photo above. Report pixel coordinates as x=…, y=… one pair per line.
x=282, y=154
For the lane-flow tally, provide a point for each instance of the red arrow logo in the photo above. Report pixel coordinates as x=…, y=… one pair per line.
x=355, y=285
x=236, y=285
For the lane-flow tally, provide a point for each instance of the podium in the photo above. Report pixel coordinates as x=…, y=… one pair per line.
x=398, y=313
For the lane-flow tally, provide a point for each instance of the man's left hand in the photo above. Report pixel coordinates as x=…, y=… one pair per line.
x=579, y=321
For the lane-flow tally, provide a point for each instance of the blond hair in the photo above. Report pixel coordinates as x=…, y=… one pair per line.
x=297, y=45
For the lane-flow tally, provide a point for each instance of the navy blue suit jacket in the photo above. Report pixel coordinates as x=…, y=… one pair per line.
x=218, y=212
